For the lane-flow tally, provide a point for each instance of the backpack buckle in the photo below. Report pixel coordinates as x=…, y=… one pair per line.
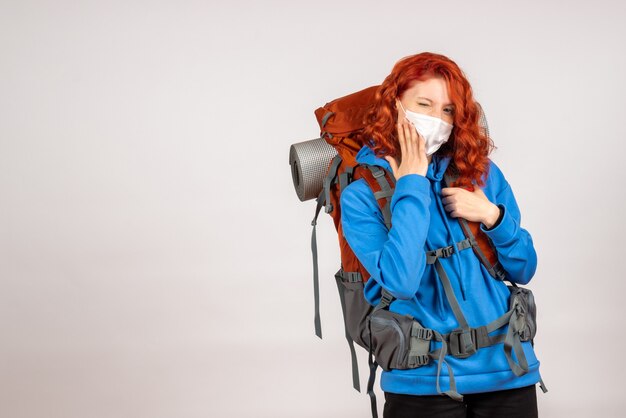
x=422, y=333
x=462, y=342
x=386, y=298
x=418, y=360
x=378, y=173
x=446, y=251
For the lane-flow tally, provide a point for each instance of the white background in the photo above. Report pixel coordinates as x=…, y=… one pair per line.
x=154, y=258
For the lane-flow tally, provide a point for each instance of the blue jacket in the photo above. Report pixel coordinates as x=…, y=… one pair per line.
x=396, y=261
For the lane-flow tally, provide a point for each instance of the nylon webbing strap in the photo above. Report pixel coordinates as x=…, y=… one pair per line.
x=316, y=286
x=332, y=173
x=345, y=178
x=339, y=276
x=463, y=244
x=512, y=343
x=444, y=252
x=386, y=190
x=496, y=271
x=447, y=287
x=322, y=200
x=385, y=301
x=500, y=322
x=351, y=276
x=325, y=118
x=499, y=271
x=381, y=194
x=372, y=378
x=440, y=355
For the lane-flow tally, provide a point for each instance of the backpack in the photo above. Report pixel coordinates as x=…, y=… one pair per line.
x=325, y=167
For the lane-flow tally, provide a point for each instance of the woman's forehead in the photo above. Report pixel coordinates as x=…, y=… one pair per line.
x=433, y=89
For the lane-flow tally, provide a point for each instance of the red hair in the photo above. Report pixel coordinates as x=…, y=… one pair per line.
x=468, y=145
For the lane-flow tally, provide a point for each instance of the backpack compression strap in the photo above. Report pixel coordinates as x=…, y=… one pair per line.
x=322, y=200
x=386, y=190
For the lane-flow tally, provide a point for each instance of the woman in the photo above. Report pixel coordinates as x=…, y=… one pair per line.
x=425, y=121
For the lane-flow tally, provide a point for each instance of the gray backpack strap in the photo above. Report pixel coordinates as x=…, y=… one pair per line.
x=316, y=286
x=322, y=200
x=440, y=355
x=372, y=379
x=351, y=277
x=386, y=191
x=345, y=178
x=496, y=270
x=434, y=257
x=512, y=343
x=328, y=181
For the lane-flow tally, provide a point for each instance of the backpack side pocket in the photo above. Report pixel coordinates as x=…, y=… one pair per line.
x=524, y=302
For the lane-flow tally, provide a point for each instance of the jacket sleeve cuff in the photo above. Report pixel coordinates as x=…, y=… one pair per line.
x=504, y=230
x=411, y=184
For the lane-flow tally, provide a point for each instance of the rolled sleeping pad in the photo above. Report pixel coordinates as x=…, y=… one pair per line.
x=482, y=122
x=309, y=162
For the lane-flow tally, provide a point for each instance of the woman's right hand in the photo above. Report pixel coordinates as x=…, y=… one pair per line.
x=412, y=151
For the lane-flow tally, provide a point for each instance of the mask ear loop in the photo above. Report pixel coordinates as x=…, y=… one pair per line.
x=402, y=107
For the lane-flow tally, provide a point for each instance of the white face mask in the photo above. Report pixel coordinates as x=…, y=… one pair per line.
x=435, y=131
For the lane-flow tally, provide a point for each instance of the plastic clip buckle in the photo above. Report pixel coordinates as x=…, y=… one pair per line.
x=378, y=173
x=386, y=299
x=447, y=251
x=352, y=277
x=419, y=360
x=423, y=333
x=462, y=342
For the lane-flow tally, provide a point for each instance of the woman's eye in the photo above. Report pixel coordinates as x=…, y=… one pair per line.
x=424, y=104
x=450, y=110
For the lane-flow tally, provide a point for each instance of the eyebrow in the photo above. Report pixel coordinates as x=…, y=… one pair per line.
x=426, y=98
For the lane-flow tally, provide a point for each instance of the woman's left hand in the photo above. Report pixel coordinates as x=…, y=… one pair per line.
x=472, y=206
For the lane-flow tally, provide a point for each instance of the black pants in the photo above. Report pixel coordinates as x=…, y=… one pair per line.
x=511, y=403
